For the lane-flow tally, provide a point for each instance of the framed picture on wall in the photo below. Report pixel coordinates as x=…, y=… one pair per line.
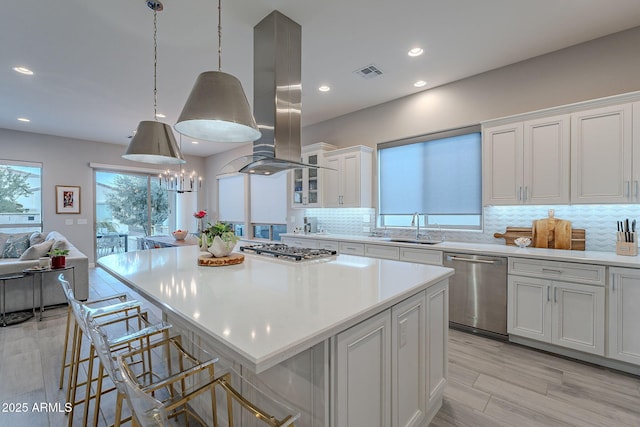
x=67, y=199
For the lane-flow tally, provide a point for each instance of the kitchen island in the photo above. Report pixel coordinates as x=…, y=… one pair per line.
x=345, y=340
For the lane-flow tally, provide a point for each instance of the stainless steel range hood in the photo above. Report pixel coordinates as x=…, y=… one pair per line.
x=277, y=45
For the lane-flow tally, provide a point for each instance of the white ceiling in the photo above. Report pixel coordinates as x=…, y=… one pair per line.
x=93, y=60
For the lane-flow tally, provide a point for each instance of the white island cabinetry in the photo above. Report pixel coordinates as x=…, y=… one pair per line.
x=391, y=369
x=288, y=327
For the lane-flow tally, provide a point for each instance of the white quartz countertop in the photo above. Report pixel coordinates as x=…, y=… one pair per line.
x=587, y=257
x=266, y=310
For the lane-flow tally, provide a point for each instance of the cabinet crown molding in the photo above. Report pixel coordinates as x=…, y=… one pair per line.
x=564, y=109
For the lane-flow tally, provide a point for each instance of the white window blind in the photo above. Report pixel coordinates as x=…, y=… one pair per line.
x=231, y=198
x=269, y=199
x=435, y=176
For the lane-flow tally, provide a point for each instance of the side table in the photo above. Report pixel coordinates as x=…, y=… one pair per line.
x=3, y=280
x=38, y=271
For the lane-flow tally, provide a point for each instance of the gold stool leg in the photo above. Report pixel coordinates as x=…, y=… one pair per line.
x=66, y=347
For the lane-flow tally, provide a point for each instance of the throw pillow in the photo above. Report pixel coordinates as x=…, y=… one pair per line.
x=60, y=244
x=37, y=251
x=15, y=246
x=36, y=238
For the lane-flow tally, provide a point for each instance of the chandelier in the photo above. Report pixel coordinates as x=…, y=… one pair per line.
x=180, y=181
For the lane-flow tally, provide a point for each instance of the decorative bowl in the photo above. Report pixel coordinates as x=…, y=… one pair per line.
x=522, y=242
x=180, y=234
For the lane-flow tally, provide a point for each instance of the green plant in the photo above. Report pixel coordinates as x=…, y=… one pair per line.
x=59, y=252
x=225, y=231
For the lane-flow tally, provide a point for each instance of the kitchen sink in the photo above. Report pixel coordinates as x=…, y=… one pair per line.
x=416, y=241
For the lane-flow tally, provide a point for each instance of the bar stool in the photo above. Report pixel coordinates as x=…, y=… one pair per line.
x=114, y=304
x=120, y=340
x=178, y=377
x=168, y=370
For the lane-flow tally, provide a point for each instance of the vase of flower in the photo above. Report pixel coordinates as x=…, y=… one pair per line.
x=199, y=216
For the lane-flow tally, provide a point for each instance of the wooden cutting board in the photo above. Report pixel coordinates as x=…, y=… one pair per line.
x=578, y=236
x=232, y=259
x=551, y=233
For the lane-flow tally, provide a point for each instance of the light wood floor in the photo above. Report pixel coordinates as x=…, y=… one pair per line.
x=491, y=383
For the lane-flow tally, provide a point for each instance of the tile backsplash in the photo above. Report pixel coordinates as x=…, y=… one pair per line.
x=599, y=221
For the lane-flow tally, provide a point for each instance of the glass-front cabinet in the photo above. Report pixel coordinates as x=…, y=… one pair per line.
x=307, y=182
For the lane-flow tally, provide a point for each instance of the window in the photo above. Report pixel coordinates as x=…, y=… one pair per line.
x=20, y=196
x=438, y=175
x=269, y=231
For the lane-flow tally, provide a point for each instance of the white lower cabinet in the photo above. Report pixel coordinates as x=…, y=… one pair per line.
x=381, y=251
x=363, y=374
x=566, y=314
x=391, y=369
x=350, y=248
x=624, y=315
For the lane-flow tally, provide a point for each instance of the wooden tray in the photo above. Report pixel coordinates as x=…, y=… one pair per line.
x=578, y=236
x=232, y=259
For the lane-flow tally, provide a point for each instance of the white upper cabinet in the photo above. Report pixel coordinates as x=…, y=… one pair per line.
x=601, y=155
x=349, y=184
x=307, y=182
x=502, y=161
x=527, y=162
x=546, y=160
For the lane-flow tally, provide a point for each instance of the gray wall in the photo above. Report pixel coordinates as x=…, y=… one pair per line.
x=602, y=67
x=599, y=68
x=65, y=161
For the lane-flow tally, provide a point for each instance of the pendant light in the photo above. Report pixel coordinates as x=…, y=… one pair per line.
x=153, y=141
x=217, y=108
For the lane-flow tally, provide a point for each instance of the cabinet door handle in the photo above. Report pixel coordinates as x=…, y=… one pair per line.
x=549, y=270
x=555, y=295
x=613, y=283
x=635, y=188
x=525, y=194
x=628, y=184
x=519, y=193
x=548, y=293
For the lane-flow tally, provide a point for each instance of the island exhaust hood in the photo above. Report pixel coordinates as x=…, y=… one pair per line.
x=277, y=88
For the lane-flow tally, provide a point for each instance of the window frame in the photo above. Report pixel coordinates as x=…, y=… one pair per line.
x=27, y=225
x=424, y=218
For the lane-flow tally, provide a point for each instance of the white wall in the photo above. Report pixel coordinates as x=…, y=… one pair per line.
x=65, y=161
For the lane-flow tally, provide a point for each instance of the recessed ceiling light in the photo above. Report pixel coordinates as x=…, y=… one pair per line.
x=324, y=88
x=24, y=119
x=420, y=83
x=195, y=142
x=416, y=51
x=160, y=115
x=23, y=70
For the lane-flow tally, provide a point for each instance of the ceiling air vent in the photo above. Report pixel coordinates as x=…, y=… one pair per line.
x=368, y=72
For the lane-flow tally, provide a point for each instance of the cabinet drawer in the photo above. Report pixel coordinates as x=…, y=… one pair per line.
x=382, y=251
x=300, y=242
x=348, y=248
x=328, y=245
x=421, y=256
x=554, y=270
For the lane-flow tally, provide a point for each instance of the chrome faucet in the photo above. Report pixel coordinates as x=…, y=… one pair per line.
x=415, y=220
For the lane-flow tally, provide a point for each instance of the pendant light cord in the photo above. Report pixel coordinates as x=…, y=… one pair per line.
x=219, y=35
x=155, y=64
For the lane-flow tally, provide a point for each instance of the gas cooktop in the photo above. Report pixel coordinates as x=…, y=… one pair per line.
x=293, y=253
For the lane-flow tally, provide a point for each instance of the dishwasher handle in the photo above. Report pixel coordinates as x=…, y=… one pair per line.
x=479, y=261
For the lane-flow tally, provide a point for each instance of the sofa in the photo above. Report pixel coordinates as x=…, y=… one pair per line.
x=20, y=251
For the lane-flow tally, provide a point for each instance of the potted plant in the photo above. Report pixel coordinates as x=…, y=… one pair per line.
x=59, y=258
x=219, y=239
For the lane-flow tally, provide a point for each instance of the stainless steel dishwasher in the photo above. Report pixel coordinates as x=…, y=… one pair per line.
x=478, y=293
